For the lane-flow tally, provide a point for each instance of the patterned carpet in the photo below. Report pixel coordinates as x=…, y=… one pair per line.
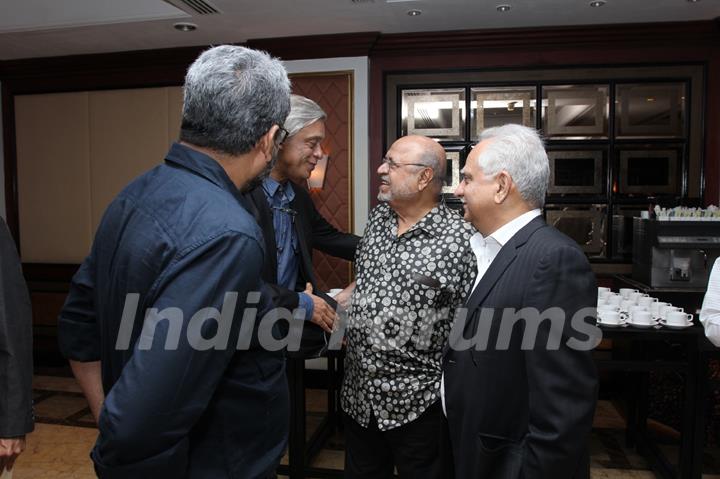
x=65, y=433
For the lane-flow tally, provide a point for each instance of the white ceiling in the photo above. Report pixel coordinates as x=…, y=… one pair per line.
x=39, y=28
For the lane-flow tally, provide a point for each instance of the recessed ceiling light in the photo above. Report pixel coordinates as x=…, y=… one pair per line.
x=414, y=13
x=597, y=3
x=185, y=26
x=503, y=8
x=693, y=1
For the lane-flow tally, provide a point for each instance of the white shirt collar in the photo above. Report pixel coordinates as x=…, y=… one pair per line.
x=503, y=234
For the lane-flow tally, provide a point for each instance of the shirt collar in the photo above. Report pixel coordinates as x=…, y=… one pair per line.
x=201, y=164
x=503, y=234
x=433, y=223
x=271, y=185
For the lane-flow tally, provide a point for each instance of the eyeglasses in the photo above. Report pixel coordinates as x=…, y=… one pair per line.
x=281, y=135
x=393, y=165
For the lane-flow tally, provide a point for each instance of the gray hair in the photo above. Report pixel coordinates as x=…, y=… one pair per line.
x=429, y=158
x=303, y=111
x=519, y=150
x=233, y=96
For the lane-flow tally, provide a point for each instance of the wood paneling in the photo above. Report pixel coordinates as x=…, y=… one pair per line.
x=128, y=136
x=53, y=177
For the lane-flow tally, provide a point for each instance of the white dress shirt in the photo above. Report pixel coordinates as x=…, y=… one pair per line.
x=486, y=249
x=710, y=312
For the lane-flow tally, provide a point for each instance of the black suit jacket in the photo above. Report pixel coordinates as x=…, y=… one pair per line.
x=16, y=359
x=525, y=411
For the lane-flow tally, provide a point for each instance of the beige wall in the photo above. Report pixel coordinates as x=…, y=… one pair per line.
x=75, y=152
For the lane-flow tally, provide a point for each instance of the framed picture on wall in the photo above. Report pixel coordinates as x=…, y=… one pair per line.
x=576, y=172
x=455, y=157
x=491, y=107
x=586, y=224
x=576, y=111
x=649, y=171
x=650, y=110
x=437, y=113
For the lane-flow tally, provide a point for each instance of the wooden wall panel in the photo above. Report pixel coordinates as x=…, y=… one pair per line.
x=128, y=136
x=333, y=92
x=52, y=138
x=175, y=104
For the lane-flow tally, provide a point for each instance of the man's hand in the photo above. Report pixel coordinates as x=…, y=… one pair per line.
x=343, y=297
x=323, y=314
x=10, y=449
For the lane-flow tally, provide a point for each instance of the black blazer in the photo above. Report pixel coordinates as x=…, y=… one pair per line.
x=16, y=358
x=313, y=232
x=525, y=412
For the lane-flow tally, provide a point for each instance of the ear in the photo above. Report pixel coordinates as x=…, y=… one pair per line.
x=503, y=185
x=425, y=178
x=267, y=141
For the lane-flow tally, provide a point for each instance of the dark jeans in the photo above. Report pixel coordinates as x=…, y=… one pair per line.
x=419, y=449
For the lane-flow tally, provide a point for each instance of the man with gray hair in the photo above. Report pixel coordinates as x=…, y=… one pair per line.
x=172, y=395
x=413, y=268
x=519, y=410
x=293, y=227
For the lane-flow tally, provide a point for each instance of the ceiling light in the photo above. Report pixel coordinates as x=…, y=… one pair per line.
x=185, y=26
x=414, y=13
x=503, y=8
x=693, y=1
x=597, y=3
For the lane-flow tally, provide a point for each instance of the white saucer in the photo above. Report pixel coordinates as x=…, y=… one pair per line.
x=643, y=325
x=612, y=325
x=675, y=326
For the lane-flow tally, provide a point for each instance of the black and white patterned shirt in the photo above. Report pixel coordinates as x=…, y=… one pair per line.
x=408, y=287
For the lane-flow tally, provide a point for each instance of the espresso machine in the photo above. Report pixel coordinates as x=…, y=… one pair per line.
x=674, y=254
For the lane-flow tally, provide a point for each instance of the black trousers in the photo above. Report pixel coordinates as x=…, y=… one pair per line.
x=419, y=449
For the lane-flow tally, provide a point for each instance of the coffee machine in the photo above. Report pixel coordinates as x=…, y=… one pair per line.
x=674, y=254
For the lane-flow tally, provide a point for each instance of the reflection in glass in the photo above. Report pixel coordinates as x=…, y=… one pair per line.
x=655, y=110
x=649, y=172
x=575, y=111
x=576, y=172
x=586, y=224
x=491, y=107
x=437, y=113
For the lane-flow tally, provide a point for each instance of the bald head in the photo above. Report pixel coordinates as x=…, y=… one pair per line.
x=428, y=152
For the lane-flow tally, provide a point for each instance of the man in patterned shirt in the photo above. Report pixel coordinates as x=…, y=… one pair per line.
x=414, y=267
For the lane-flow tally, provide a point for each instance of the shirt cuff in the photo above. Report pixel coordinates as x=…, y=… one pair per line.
x=305, y=302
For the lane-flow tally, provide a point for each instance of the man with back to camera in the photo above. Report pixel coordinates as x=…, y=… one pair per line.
x=180, y=240
x=293, y=227
x=517, y=410
x=413, y=268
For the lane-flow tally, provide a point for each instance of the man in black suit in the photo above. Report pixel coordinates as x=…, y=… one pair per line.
x=520, y=385
x=293, y=227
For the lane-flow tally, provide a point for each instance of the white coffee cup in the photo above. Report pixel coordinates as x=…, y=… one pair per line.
x=655, y=307
x=637, y=308
x=611, y=317
x=626, y=304
x=604, y=295
x=679, y=318
x=615, y=300
x=608, y=307
x=646, y=301
x=602, y=289
x=641, y=317
x=626, y=292
x=635, y=297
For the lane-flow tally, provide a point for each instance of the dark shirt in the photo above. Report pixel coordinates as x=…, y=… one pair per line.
x=408, y=287
x=179, y=237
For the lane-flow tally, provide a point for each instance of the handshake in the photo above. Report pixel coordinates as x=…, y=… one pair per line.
x=324, y=315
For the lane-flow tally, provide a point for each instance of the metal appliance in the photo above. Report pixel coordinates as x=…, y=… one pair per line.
x=674, y=254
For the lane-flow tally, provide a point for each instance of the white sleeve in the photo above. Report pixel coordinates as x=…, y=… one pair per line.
x=710, y=312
